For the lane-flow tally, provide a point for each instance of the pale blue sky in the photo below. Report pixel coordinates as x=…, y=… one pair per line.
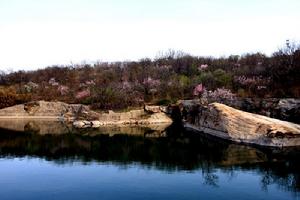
x=38, y=33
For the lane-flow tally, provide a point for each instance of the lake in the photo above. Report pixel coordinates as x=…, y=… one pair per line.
x=140, y=163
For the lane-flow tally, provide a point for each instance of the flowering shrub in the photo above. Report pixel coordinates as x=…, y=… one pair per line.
x=203, y=67
x=243, y=80
x=151, y=82
x=83, y=94
x=90, y=82
x=254, y=85
x=198, y=90
x=255, y=80
x=30, y=86
x=220, y=93
x=53, y=82
x=63, y=90
x=126, y=85
x=261, y=87
x=153, y=91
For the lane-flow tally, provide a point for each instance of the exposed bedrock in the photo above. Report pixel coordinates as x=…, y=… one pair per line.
x=229, y=123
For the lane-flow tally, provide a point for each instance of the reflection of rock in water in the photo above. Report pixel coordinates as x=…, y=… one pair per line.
x=239, y=154
x=174, y=151
x=35, y=126
x=44, y=127
x=32, y=127
x=149, y=130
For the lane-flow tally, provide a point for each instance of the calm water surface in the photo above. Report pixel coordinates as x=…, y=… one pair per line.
x=142, y=164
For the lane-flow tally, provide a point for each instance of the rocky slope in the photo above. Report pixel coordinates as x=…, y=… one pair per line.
x=228, y=123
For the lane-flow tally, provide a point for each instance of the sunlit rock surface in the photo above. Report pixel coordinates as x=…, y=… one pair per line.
x=228, y=123
x=83, y=116
x=287, y=109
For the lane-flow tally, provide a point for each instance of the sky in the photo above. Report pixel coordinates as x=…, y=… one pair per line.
x=39, y=33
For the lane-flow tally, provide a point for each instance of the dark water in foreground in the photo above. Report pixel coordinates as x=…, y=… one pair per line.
x=172, y=165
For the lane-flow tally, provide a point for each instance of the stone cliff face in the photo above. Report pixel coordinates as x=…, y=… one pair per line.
x=228, y=123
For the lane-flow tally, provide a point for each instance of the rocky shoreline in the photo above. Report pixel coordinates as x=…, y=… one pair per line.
x=119, y=119
x=235, y=125
x=83, y=117
x=215, y=119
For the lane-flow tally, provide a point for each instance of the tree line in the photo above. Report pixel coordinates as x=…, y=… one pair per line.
x=172, y=76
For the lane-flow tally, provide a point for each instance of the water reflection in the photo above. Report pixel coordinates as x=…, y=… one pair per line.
x=172, y=150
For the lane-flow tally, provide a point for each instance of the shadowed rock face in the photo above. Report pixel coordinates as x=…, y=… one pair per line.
x=239, y=126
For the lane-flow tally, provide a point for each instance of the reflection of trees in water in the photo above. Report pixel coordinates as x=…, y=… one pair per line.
x=285, y=175
x=210, y=178
x=177, y=151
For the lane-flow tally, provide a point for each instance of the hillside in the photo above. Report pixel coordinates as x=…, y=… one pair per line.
x=172, y=76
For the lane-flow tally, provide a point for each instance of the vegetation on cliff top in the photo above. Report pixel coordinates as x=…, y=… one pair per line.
x=171, y=76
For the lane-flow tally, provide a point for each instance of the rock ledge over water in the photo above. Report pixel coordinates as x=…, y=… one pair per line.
x=228, y=123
